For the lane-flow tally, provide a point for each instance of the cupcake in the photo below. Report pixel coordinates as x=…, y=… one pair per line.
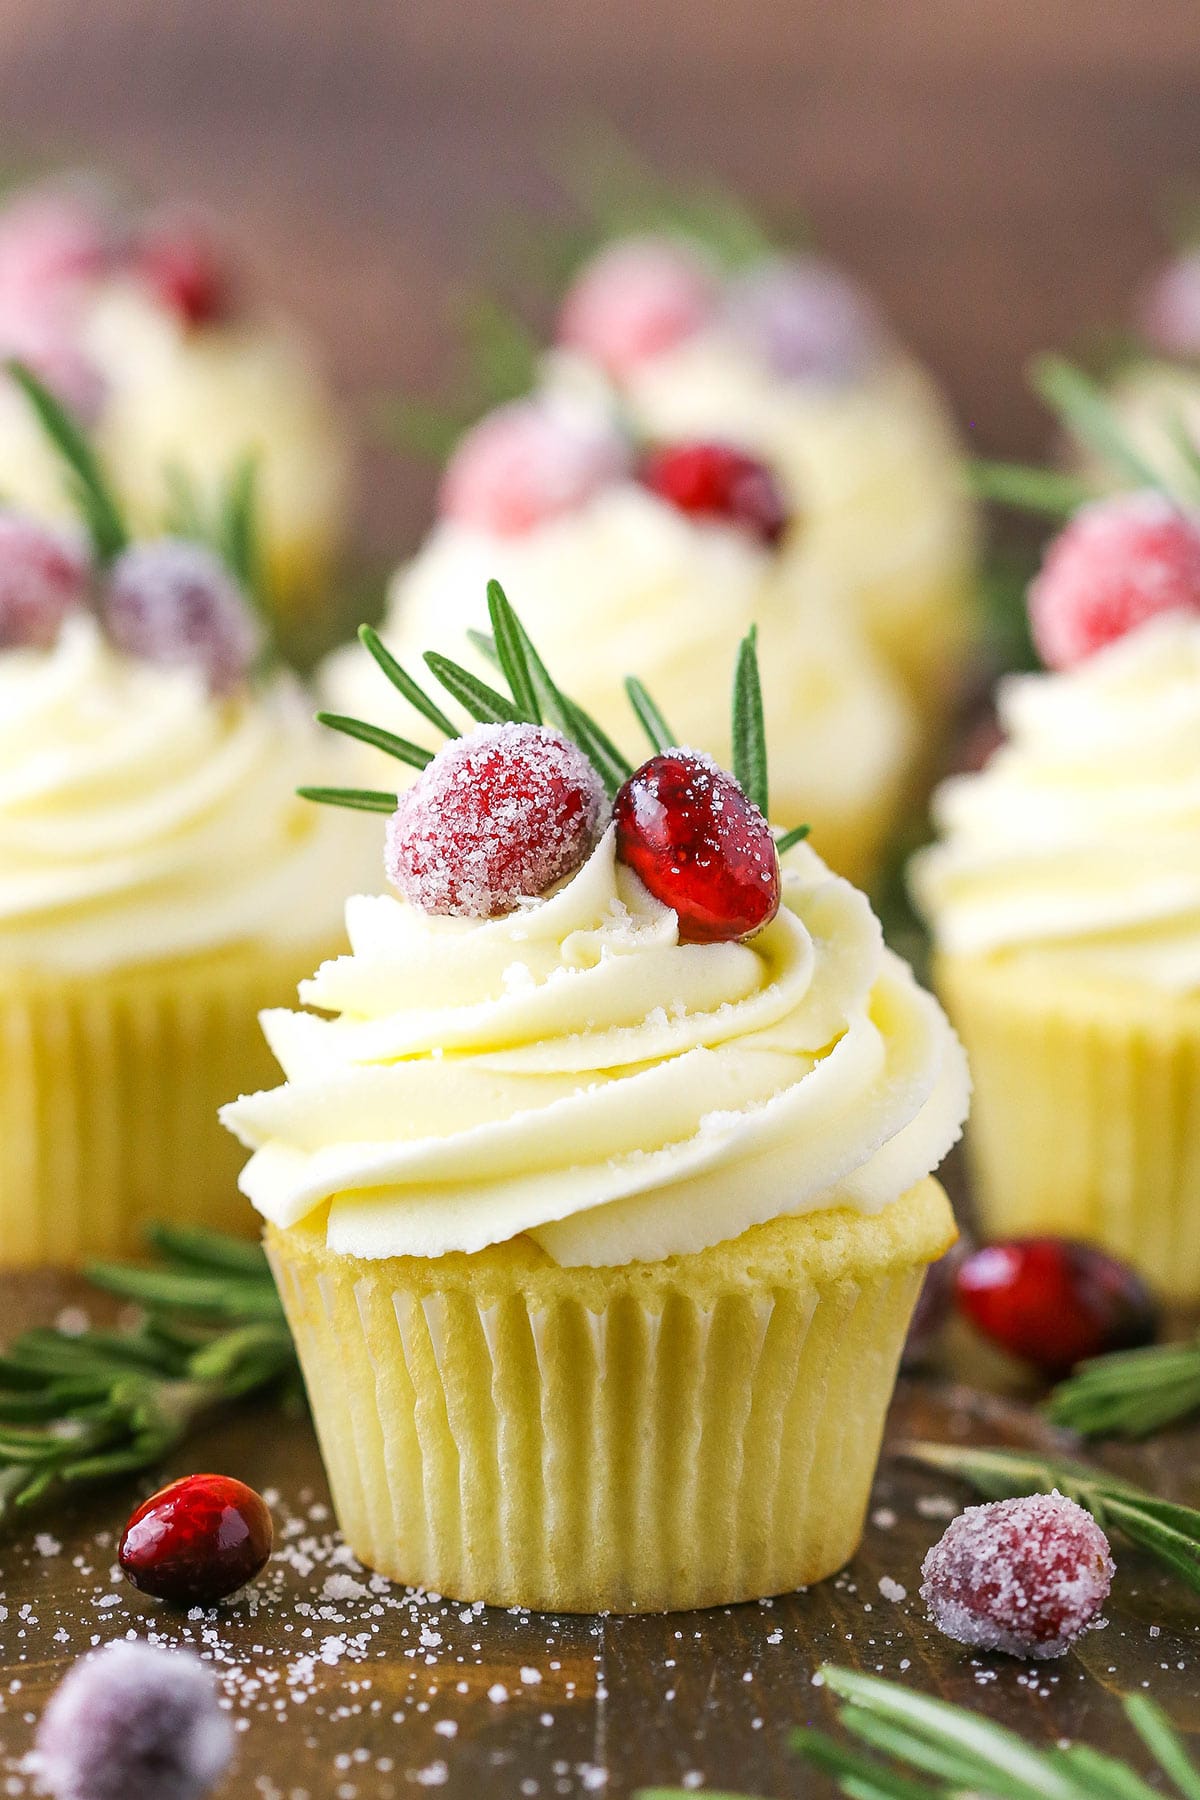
x=598, y=1189
x=661, y=564
x=790, y=360
x=1064, y=898
x=139, y=327
x=159, y=882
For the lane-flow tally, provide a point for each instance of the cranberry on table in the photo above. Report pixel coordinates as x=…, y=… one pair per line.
x=44, y=576
x=498, y=816
x=1025, y=1576
x=197, y=1541
x=1054, y=1302
x=701, y=847
x=721, y=484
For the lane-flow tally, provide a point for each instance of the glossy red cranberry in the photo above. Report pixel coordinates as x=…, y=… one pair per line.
x=1025, y=1576
x=687, y=829
x=1054, y=1302
x=184, y=270
x=714, y=481
x=197, y=1541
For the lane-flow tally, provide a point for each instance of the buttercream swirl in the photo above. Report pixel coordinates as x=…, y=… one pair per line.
x=141, y=819
x=1080, y=840
x=575, y=1073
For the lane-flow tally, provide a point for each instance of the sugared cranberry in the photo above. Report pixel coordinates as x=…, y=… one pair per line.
x=528, y=462
x=497, y=817
x=688, y=831
x=179, y=262
x=637, y=298
x=1024, y=1576
x=174, y=602
x=1168, y=312
x=47, y=344
x=716, y=482
x=1054, y=1302
x=44, y=575
x=1118, y=563
x=806, y=319
x=132, y=1722
x=52, y=238
x=197, y=1541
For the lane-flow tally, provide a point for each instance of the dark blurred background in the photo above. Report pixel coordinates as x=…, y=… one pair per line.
x=999, y=173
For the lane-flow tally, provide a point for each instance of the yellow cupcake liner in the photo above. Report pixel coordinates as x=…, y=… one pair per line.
x=1086, y=1112
x=109, y=1088
x=647, y=1438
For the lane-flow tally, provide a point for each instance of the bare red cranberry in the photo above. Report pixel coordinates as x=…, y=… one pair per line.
x=178, y=261
x=1025, y=1576
x=174, y=602
x=44, y=576
x=701, y=847
x=1054, y=1302
x=197, y=1541
x=497, y=817
x=714, y=481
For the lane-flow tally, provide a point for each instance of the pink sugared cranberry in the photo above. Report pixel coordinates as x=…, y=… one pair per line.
x=52, y=238
x=719, y=483
x=1168, y=311
x=688, y=831
x=498, y=816
x=637, y=298
x=197, y=1541
x=178, y=260
x=1024, y=1576
x=1117, y=563
x=1054, y=1302
x=46, y=341
x=525, y=463
x=132, y=1722
x=806, y=319
x=174, y=602
x=44, y=576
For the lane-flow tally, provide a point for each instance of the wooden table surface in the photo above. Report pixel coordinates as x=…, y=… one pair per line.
x=346, y=1688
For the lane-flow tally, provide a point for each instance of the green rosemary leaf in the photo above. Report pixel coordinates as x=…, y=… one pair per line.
x=858, y=1776
x=93, y=495
x=425, y=429
x=238, y=525
x=749, y=729
x=211, y=1250
x=484, y=703
x=1130, y=1393
x=653, y=724
x=184, y=516
x=403, y=682
x=485, y=643
x=1029, y=489
x=401, y=748
x=510, y=650
x=788, y=839
x=362, y=799
x=1100, y=1776
x=232, y=1297
x=1086, y=411
x=611, y=766
x=1164, y=1744
x=502, y=350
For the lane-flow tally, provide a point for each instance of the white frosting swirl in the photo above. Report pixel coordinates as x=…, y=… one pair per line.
x=1080, y=840
x=574, y=1072
x=140, y=818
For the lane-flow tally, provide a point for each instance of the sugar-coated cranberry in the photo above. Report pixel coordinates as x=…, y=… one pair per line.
x=1054, y=1302
x=133, y=1722
x=1024, y=1576
x=1168, y=312
x=52, y=238
x=719, y=483
x=174, y=602
x=48, y=344
x=181, y=265
x=701, y=847
x=497, y=817
x=528, y=462
x=639, y=297
x=44, y=576
x=1117, y=563
x=197, y=1541
x=806, y=319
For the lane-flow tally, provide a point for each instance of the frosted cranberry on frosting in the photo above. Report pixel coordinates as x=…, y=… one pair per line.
x=527, y=463
x=636, y=298
x=45, y=576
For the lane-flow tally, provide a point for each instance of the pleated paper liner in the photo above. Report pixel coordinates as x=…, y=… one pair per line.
x=659, y=1436
x=109, y=1088
x=1085, y=1119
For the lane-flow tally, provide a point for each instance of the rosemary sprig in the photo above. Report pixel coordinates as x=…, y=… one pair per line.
x=1088, y=414
x=786, y=839
x=374, y=800
x=91, y=493
x=80, y=1409
x=1168, y=1531
x=653, y=724
x=749, y=730
x=403, y=682
x=1130, y=1393
x=1028, y=488
x=946, y=1752
x=379, y=737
